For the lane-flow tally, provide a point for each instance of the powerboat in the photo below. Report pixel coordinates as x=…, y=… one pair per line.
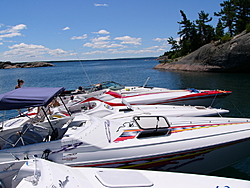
x=35, y=99
x=111, y=91
x=96, y=107
x=172, y=97
x=183, y=144
x=40, y=173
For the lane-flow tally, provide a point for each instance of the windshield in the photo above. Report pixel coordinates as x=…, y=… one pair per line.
x=104, y=85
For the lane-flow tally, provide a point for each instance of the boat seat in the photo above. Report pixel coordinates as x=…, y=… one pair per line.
x=13, y=140
x=29, y=137
x=28, y=132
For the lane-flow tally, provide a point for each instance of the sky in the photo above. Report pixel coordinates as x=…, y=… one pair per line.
x=54, y=30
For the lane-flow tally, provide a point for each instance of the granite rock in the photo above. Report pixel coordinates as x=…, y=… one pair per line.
x=232, y=56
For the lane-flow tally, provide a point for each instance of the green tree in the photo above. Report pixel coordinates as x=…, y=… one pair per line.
x=242, y=10
x=219, y=30
x=234, y=16
x=174, y=43
x=228, y=16
x=205, y=31
x=188, y=35
x=175, y=48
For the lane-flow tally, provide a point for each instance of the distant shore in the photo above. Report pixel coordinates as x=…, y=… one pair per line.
x=9, y=65
x=150, y=58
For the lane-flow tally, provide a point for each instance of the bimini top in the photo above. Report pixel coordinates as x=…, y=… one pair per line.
x=28, y=97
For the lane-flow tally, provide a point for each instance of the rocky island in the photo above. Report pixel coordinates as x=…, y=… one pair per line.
x=9, y=65
x=201, y=46
x=231, y=56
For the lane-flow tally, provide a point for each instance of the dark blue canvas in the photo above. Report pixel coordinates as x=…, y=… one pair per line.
x=28, y=97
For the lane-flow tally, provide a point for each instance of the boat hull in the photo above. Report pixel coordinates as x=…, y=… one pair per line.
x=201, y=146
x=196, y=159
x=201, y=160
x=41, y=173
x=182, y=97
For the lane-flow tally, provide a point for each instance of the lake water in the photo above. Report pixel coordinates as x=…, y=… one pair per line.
x=134, y=72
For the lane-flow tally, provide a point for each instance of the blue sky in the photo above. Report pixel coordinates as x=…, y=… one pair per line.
x=33, y=30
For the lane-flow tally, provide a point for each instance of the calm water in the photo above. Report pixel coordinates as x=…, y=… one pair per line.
x=134, y=72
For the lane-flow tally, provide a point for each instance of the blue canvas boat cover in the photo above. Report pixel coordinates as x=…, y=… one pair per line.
x=28, y=97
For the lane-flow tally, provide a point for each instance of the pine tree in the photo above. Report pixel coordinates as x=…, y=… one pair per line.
x=219, y=31
x=174, y=44
x=242, y=10
x=188, y=35
x=228, y=16
x=205, y=31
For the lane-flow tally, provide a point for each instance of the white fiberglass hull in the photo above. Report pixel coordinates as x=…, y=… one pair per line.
x=173, y=97
x=101, y=109
x=189, y=96
x=198, y=145
x=142, y=96
x=39, y=173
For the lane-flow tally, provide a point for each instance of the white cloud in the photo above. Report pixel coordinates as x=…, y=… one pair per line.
x=165, y=41
x=106, y=42
x=102, y=42
x=1, y=43
x=100, y=39
x=57, y=52
x=116, y=51
x=9, y=35
x=17, y=28
x=129, y=40
x=66, y=28
x=13, y=31
x=23, y=46
x=141, y=51
x=100, y=5
x=160, y=39
x=32, y=50
x=95, y=52
x=102, y=31
x=120, y=45
x=79, y=37
x=10, y=41
x=152, y=47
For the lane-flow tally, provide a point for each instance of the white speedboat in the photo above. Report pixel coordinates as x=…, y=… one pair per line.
x=184, y=144
x=103, y=109
x=198, y=145
x=173, y=97
x=34, y=99
x=111, y=91
x=40, y=173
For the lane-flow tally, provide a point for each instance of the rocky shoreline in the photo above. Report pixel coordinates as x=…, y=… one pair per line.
x=9, y=65
x=231, y=56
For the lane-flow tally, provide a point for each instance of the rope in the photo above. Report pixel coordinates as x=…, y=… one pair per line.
x=83, y=69
x=237, y=108
x=219, y=114
x=214, y=99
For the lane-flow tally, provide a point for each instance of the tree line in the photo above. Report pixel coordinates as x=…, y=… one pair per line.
x=233, y=18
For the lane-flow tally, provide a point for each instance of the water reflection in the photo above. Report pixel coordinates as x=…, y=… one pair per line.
x=238, y=102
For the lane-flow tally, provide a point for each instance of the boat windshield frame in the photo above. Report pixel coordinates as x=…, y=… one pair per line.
x=104, y=85
x=148, y=119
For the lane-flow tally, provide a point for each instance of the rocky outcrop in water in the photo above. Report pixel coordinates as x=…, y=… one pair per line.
x=9, y=65
x=232, y=56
